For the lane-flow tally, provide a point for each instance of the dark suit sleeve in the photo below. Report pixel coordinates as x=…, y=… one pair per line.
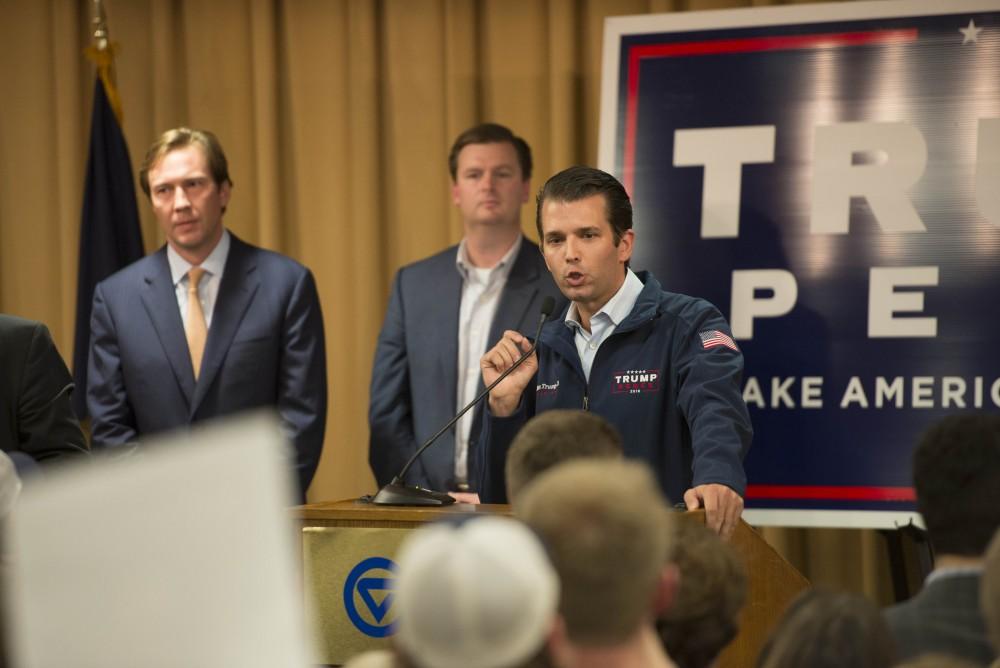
x=112, y=420
x=390, y=408
x=302, y=389
x=47, y=426
x=709, y=397
x=495, y=439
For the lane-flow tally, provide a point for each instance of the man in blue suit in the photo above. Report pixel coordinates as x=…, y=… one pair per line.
x=447, y=309
x=208, y=325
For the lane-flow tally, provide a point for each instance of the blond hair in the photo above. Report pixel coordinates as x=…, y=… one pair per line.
x=607, y=528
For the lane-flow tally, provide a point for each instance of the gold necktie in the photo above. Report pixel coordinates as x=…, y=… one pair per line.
x=197, y=330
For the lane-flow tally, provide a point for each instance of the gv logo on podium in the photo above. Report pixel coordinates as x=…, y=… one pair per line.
x=370, y=584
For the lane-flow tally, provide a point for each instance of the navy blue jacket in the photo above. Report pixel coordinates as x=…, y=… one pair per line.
x=676, y=402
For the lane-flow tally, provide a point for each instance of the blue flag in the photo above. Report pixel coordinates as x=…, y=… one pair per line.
x=110, y=236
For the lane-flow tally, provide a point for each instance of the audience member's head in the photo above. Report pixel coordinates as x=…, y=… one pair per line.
x=480, y=594
x=989, y=595
x=937, y=661
x=703, y=618
x=823, y=629
x=553, y=437
x=376, y=658
x=956, y=473
x=607, y=528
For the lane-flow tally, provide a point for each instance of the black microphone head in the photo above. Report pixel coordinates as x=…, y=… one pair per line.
x=548, y=306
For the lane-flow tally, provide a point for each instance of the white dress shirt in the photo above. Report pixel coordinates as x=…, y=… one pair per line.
x=481, y=290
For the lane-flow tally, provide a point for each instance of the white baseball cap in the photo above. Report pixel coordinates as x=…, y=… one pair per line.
x=480, y=594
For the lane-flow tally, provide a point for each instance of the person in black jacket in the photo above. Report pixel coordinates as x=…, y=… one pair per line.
x=37, y=422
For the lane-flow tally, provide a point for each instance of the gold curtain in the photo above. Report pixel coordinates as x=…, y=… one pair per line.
x=336, y=116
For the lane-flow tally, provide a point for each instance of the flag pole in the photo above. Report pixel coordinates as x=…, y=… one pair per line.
x=110, y=234
x=102, y=53
x=100, y=22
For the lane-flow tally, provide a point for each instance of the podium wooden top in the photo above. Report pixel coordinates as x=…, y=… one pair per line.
x=363, y=510
x=363, y=513
x=360, y=510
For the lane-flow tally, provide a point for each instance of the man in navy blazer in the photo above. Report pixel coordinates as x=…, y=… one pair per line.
x=258, y=314
x=446, y=310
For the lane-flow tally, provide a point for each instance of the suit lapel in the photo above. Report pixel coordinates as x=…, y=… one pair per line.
x=444, y=302
x=160, y=302
x=236, y=291
x=518, y=294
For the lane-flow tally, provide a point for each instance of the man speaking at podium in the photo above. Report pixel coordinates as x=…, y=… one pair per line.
x=662, y=367
x=208, y=325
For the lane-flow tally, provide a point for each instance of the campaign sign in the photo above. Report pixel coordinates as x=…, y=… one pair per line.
x=829, y=177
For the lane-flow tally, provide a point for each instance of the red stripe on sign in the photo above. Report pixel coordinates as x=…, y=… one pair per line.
x=774, y=43
x=843, y=493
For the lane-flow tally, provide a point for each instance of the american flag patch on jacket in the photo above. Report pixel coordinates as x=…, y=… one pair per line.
x=714, y=337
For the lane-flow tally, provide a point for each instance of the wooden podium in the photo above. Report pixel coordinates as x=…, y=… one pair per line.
x=347, y=547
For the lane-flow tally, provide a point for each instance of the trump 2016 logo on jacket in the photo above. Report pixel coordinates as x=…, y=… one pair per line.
x=635, y=381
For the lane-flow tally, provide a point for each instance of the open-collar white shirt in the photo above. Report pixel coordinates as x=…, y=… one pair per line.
x=604, y=322
x=481, y=291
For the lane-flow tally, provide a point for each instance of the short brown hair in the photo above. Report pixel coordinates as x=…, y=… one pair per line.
x=703, y=617
x=553, y=437
x=607, y=528
x=491, y=133
x=824, y=629
x=956, y=475
x=580, y=182
x=935, y=660
x=178, y=138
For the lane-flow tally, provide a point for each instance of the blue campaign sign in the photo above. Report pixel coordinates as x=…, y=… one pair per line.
x=829, y=177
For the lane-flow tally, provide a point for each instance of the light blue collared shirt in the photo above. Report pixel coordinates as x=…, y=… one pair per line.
x=604, y=322
x=208, y=286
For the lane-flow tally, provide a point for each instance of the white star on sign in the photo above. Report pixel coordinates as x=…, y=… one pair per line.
x=970, y=32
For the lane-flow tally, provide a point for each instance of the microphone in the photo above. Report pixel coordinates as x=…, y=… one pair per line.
x=398, y=493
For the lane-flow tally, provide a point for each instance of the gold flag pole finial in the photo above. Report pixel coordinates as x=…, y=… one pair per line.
x=100, y=23
x=102, y=53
